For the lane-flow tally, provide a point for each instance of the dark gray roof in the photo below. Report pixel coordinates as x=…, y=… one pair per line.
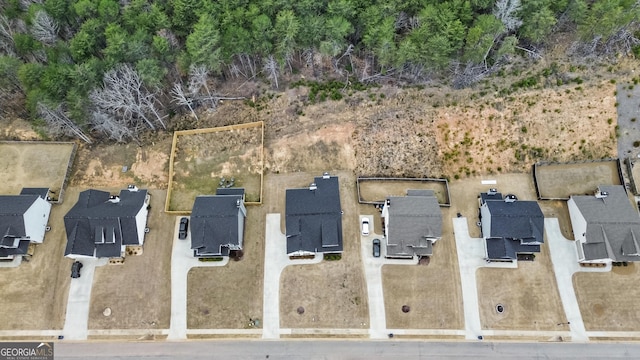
x=486, y=196
x=516, y=227
x=516, y=220
x=96, y=223
x=230, y=191
x=414, y=220
x=215, y=222
x=12, y=209
x=20, y=249
x=314, y=217
x=42, y=192
x=613, y=225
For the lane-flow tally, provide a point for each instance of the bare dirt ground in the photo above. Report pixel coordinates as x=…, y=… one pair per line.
x=560, y=181
x=379, y=190
x=431, y=291
x=35, y=293
x=33, y=165
x=607, y=301
x=138, y=292
x=333, y=293
x=227, y=297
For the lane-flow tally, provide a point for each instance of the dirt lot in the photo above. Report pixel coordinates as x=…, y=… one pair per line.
x=24, y=164
x=201, y=161
x=607, y=301
x=333, y=293
x=560, y=181
x=379, y=190
x=432, y=291
x=46, y=276
x=227, y=297
x=138, y=291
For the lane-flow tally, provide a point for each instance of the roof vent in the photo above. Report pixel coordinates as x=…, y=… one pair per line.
x=601, y=194
x=132, y=188
x=325, y=175
x=510, y=198
x=237, y=202
x=313, y=186
x=492, y=191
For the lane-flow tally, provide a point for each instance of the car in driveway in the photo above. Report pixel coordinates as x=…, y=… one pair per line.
x=75, y=269
x=182, y=231
x=365, y=226
x=376, y=247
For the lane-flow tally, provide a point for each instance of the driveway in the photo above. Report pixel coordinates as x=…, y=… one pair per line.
x=77, y=316
x=182, y=261
x=565, y=264
x=471, y=256
x=275, y=260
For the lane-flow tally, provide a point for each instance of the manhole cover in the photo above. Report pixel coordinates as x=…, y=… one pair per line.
x=499, y=308
x=405, y=308
x=106, y=312
x=300, y=310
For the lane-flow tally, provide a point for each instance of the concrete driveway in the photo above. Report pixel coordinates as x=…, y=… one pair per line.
x=77, y=316
x=565, y=264
x=182, y=261
x=275, y=260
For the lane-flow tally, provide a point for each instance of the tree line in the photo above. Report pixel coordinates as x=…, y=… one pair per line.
x=112, y=68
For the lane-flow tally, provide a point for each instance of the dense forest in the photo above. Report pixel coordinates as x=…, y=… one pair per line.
x=111, y=69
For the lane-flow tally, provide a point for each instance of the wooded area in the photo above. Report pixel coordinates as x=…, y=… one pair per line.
x=111, y=69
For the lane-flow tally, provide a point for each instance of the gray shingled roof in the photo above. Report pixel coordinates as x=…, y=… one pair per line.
x=412, y=220
x=314, y=217
x=96, y=224
x=613, y=225
x=215, y=223
x=12, y=209
x=516, y=227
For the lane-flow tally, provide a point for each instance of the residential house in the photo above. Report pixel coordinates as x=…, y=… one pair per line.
x=412, y=224
x=23, y=220
x=217, y=223
x=606, y=227
x=314, y=218
x=101, y=225
x=510, y=227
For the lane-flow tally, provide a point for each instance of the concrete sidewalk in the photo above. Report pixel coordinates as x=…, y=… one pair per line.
x=77, y=317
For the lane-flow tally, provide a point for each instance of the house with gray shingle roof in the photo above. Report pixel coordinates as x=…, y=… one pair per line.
x=606, y=227
x=412, y=224
x=217, y=223
x=313, y=218
x=101, y=225
x=510, y=227
x=23, y=220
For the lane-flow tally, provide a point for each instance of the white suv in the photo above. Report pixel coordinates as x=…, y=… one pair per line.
x=365, y=226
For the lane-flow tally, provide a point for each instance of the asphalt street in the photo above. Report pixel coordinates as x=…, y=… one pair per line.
x=352, y=350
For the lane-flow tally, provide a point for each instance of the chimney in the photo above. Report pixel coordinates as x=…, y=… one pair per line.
x=132, y=188
x=492, y=191
x=601, y=194
x=510, y=198
x=325, y=175
x=313, y=186
x=114, y=199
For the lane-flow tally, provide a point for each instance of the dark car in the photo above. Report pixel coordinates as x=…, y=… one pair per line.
x=75, y=269
x=184, y=225
x=376, y=247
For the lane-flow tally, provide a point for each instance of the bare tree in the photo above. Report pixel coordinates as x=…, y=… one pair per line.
x=180, y=98
x=44, y=28
x=111, y=127
x=59, y=123
x=7, y=45
x=124, y=95
x=507, y=12
x=271, y=69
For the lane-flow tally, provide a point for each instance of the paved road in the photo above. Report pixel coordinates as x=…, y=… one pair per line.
x=352, y=350
x=77, y=316
x=182, y=261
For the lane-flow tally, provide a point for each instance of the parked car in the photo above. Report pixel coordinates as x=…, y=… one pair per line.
x=75, y=269
x=365, y=226
x=184, y=225
x=376, y=247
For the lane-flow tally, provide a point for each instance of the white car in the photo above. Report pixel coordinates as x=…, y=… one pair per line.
x=365, y=226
